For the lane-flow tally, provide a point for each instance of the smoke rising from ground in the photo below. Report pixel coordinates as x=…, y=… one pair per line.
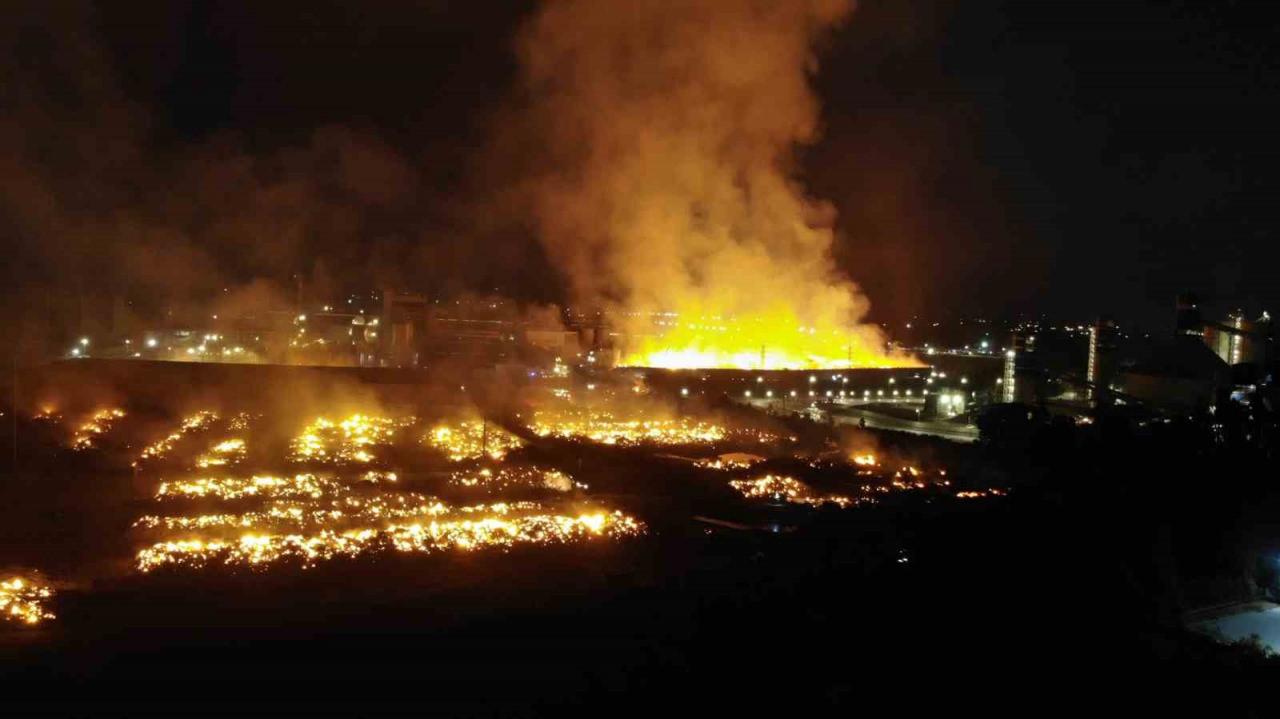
x=109, y=210
x=669, y=129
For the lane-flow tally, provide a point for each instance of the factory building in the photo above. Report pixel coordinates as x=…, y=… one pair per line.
x=792, y=389
x=1100, y=366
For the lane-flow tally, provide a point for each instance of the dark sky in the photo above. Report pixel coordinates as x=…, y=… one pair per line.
x=1070, y=158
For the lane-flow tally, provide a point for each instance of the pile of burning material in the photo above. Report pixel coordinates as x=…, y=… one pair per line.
x=777, y=488
x=473, y=439
x=348, y=441
x=865, y=459
x=24, y=600
x=729, y=461
x=522, y=477
x=221, y=454
x=604, y=428
x=194, y=423
x=97, y=425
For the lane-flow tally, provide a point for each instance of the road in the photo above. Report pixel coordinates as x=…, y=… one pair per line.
x=947, y=430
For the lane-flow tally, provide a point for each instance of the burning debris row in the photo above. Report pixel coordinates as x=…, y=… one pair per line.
x=471, y=440
x=348, y=441
x=729, y=462
x=194, y=423
x=604, y=427
x=25, y=599
x=779, y=488
x=486, y=531
x=515, y=477
x=981, y=493
x=221, y=454
x=299, y=485
x=860, y=481
x=98, y=424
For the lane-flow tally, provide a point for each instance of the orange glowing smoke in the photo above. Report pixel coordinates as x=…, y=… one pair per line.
x=669, y=197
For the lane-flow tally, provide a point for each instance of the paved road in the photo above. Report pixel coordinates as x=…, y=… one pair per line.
x=946, y=430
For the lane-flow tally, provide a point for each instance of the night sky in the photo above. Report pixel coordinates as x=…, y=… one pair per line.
x=986, y=158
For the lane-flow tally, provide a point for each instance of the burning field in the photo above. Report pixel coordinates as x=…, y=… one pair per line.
x=341, y=508
x=216, y=492
x=184, y=537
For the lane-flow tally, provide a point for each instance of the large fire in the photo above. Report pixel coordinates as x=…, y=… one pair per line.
x=670, y=196
x=764, y=343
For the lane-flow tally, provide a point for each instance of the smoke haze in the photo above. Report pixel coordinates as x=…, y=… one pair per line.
x=669, y=130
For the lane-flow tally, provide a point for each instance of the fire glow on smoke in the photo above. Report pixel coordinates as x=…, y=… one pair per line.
x=668, y=194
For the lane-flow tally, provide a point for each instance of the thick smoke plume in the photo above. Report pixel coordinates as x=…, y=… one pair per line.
x=670, y=128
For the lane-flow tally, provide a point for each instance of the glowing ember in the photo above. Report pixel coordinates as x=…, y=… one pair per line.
x=730, y=461
x=23, y=599
x=508, y=477
x=194, y=423
x=348, y=441
x=308, y=485
x=472, y=440
x=865, y=460
x=980, y=493
x=226, y=452
x=788, y=489
x=100, y=423
x=281, y=515
x=603, y=428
